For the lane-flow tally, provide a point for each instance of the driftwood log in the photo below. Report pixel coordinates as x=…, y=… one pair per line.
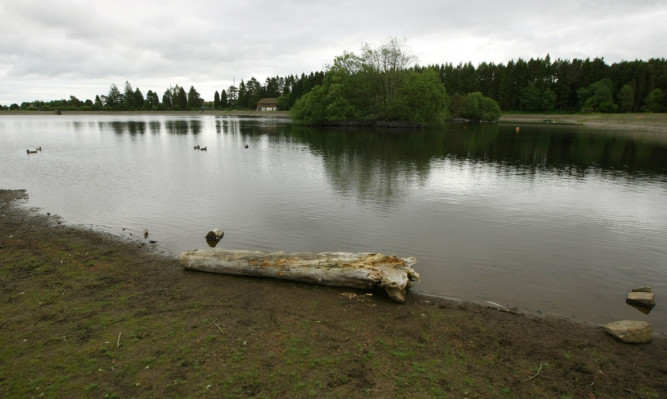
x=343, y=269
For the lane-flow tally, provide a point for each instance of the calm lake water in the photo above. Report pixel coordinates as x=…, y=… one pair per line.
x=558, y=220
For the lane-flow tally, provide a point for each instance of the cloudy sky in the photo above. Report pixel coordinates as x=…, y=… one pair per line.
x=51, y=50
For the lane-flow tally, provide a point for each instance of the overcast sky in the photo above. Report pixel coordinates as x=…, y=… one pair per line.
x=51, y=50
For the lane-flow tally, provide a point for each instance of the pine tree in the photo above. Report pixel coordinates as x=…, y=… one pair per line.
x=216, y=100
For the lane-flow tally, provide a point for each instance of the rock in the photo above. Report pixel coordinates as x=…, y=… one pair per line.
x=642, y=289
x=643, y=299
x=630, y=331
x=215, y=235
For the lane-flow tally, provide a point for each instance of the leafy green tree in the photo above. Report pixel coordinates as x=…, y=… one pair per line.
x=654, y=102
x=480, y=108
x=626, y=98
x=128, y=96
x=421, y=98
x=224, y=102
x=387, y=66
x=180, y=99
x=114, y=98
x=548, y=100
x=74, y=102
x=284, y=101
x=253, y=93
x=352, y=90
x=168, y=99
x=137, y=99
x=216, y=100
x=273, y=87
x=598, y=97
x=194, y=100
x=456, y=104
x=14, y=107
x=232, y=95
x=530, y=99
x=152, y=101
x=242, y=99
x=98, y=102
x=310, y=107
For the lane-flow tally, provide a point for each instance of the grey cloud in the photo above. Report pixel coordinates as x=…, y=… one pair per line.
x=205, y=43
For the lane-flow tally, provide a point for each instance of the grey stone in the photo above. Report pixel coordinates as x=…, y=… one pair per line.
x=215, y=235
x=642, y=289
x=644, y=299
x=630, y=331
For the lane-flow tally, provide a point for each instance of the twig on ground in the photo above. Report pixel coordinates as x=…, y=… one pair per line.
x=219, y=328
x=536, y=374
x=118, y=340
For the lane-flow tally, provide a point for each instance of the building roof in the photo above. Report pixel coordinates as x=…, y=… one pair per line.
x=272, y=101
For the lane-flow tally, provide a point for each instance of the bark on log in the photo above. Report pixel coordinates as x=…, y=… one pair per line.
x=343, y=269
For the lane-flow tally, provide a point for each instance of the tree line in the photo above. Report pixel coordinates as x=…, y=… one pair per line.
x=563, y=85
x=286, y=89
x=536, y=85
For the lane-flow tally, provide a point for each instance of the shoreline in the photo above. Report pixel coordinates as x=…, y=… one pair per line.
x=274, y=114
x=634, y=122
x=86, y=313
x=654, y=124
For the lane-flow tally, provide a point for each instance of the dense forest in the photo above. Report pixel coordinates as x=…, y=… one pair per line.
x=564, y=85
x=536, y=85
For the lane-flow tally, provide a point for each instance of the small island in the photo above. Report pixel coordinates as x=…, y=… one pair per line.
x=381, y=87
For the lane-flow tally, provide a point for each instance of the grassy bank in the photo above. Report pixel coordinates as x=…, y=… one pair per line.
x=84, y=314
x=654, y=123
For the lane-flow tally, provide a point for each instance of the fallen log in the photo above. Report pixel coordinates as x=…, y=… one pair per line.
x=343, y=269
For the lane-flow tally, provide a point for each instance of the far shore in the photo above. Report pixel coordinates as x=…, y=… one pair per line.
x=656, y=124
x=276, y=114
x=636, y=122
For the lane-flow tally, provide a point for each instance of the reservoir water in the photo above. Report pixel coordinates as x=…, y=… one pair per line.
x=553, y=219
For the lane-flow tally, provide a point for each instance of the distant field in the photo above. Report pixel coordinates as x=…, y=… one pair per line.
x=631, y=122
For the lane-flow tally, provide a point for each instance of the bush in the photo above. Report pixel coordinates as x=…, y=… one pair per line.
x=480, y=108
x=654, y=101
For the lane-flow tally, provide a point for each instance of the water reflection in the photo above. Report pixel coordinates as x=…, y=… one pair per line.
x=195, y=126
x=378, y=164
x=374, y=165
x=155, y=127
x=395, y=155
x=178, y=126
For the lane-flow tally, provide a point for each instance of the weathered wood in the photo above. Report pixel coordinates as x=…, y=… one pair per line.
x=343, y=269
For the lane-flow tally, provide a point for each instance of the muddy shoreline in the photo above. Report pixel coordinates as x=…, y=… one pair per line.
x=85, y=313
